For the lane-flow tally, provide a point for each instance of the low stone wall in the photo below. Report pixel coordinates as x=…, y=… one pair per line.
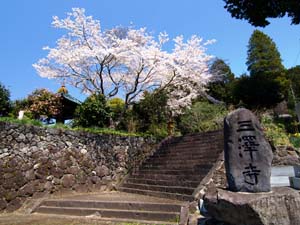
x=37, y=160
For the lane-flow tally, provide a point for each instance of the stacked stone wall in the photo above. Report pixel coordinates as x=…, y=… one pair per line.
x=35, y=161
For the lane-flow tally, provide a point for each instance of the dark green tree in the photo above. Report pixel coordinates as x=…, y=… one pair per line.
x=267, y=84
x=257, y=92
x=93, y=112
x=222, y=83
x=263, y=56
x=20, y=104
x=4, y=100
x=256, y=12
x=293, y=75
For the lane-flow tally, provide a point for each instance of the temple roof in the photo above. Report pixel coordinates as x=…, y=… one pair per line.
x=70, y=98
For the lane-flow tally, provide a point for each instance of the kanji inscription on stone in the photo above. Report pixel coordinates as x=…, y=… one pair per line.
x=248, y=155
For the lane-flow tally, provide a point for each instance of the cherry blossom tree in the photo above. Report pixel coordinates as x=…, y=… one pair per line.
x=125, y=61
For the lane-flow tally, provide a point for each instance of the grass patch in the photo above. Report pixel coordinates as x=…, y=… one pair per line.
x=94, y=130
x=23, y=121
x=97, y=130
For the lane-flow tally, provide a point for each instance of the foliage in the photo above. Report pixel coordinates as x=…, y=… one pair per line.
x=18, y=105
x=43, y=102
x=257, y=11
x=263, y=56
x=295, y=140
x=4, y=100
x=23, y=121
x=151, y=111
x=159, y=131
x=61, y=126
x=93, y=112
x=222, y=81
x=125, y=60
x=274, y=132
x=257, y=92
x=267, y=84
x=293, y=75
x=201, y=117
x=97, y=130
x=116, y=107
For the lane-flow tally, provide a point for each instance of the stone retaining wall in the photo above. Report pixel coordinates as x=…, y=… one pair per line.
x=37, y=160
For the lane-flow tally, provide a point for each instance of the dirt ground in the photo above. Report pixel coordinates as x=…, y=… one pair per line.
x=21, y=219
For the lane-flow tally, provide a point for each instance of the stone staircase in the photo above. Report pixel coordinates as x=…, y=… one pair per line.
x=156, y=192
x=177, y=167
x=117, y=207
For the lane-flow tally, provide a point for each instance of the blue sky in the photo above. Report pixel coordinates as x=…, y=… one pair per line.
x=26, y=27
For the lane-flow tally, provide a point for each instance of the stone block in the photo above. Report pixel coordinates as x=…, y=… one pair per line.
x=14, y=204
x=3, y=204
x=281, y=206
x=68, y=180
x=102, y=171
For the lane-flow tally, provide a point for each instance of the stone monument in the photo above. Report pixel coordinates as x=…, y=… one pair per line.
x=248, y=155
x=248, y=158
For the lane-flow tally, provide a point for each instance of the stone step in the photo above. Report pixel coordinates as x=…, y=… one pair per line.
x=169, y=189
x=195, y=137
x=196, y=147
x=182, y=166
x=200, y=141
x=179, y=178
x=172, y=172
x=111, y=213
x=180, y=160
x=163, y=207
x=180, y=197
x=192, y=184
x=183, y=156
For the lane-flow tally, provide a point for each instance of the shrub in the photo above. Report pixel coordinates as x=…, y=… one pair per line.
x=151, y=113
x=18, y=105
x=201, y=117
x=44, y=103
x=116, y=107
x=93, y=112
x=4, y=100
x=275, y=132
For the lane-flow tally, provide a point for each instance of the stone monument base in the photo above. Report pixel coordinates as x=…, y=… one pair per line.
x=280, y=206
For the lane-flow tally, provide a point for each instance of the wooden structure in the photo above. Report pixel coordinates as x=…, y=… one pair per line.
x=69, y=105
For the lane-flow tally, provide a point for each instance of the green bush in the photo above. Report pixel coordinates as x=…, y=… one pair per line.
x=93, y=112
x=295, y=141
x=151, y=114
x=201, y=117
x=117, y=108
x=4, y=100
x=21, y=104
x=159, y=131
x=275, y=132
